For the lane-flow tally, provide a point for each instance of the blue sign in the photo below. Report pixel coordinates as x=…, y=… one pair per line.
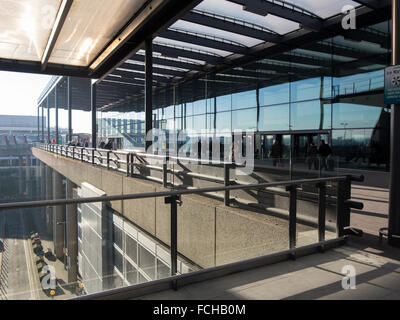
x=392, y=85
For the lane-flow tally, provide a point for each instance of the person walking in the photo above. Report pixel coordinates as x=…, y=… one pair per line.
x=312, y=156
x=275, y=153
x=324, y=151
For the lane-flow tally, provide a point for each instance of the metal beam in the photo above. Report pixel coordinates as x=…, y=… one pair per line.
x=148, y=90
x=370, y=35
x=175, y=52
x=132, y=75
x=138, y=67
x=373, y=4
x=284, y=10
x=58, y=24
x=221, y=23
x=168, y=62
x=204, y=41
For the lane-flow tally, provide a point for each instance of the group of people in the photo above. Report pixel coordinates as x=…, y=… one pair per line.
x=81, y=143
x=320, y=157
x=106, y=146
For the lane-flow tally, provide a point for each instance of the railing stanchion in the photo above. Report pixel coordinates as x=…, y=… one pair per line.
x=165, y=173
x=173, y=201
x=340, y=207
x=292, y=216
x=132, y=164
x=73, y=153
x=93, y=159
x=321, y=212
x=127, y=165
x=82, y=155
x=108, y=159
x=227, y=183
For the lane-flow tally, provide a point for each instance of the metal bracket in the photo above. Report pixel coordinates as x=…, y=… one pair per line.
x=176, y=198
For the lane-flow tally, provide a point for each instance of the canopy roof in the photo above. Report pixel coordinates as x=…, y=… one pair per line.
x=206, y=36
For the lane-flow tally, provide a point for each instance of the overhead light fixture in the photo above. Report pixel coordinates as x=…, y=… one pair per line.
x=55, y=32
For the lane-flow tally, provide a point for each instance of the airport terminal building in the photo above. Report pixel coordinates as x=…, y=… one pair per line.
x=285, y=76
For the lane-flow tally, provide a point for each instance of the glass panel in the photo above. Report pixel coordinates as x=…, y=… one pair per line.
x=306, y=115
x=131, y=248
x=117, y=236
x=275, y=118
x=90, y=27
x=147, y=262
x=118, y=260
x=244, y=119
x=346, y=115
x=163, y=271
x=306, y=90
x=27, y=25
x=131, y=273
x=274, y=95
x=224, y=103
x=244, y=100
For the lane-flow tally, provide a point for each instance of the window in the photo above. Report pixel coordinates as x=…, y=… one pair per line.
x=244, y=119
x=131, y=248
x=147, y=262
x=244, y=100
x=275, y=118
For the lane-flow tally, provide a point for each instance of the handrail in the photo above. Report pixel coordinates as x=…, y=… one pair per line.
x=35, y=204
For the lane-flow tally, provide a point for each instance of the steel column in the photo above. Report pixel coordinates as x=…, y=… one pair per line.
x=48, y=121
x=149, y=90
x=394, y=199
x=94, y=116
x=69, y=105
x=56, y=110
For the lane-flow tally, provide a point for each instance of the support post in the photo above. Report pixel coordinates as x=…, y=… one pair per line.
x=58, y=219
x=38, y=123
x=149, y=89
x=43, y=122
x=72, y=235
x=69, y=106
x=48, y=121
x=227, y=184
x=56, y=110
x=394, y=199
x=94, y=116
x=173, y=201
x=340, y=208
x=321, y=212
x=292, y=215
x=49, y=196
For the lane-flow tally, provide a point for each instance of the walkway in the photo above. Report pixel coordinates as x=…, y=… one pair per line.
x=318, y=276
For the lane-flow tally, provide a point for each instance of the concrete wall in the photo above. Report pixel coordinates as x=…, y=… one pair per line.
x=209, y=233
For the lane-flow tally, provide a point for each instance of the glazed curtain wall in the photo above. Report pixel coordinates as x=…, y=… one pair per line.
x=300, y=90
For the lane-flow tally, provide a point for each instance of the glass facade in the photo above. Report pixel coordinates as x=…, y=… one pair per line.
x=324, y=88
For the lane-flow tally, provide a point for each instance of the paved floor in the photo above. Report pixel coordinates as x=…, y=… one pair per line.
x=318, y=276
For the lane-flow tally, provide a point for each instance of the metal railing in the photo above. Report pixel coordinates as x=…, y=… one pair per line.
x=135, y=164
x=173, y=198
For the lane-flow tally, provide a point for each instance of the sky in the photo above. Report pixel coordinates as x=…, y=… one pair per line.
x=19, y=93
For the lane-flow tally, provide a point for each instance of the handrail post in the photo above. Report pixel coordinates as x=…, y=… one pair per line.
x=227, y=183
x=73, y=153
x=93, y=160
x=173, y=201
x=292, y=216
x=82, y=155
x=132, y=164
x=340, y=207
x=108, y=159
x=127, y=165
x=165, y=172
x=321, y=212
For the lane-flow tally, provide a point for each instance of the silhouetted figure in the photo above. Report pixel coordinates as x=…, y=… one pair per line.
x=312, y=156
x=275, y=152
x=324, y=151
